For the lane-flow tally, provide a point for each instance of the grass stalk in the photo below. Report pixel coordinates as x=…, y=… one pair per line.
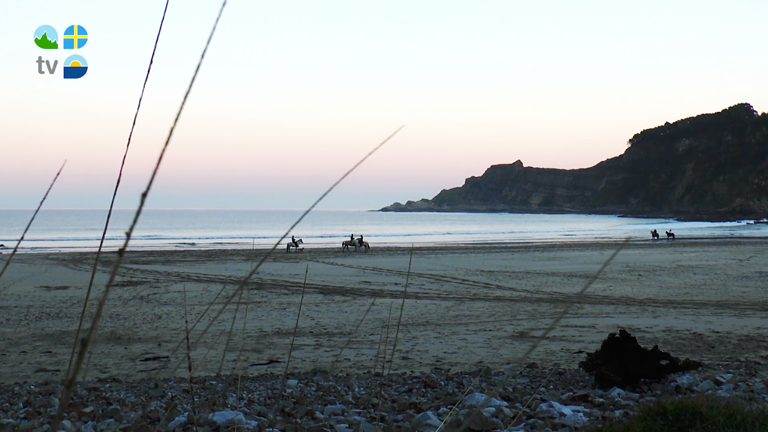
x=215, y=341
x=378, y=350
x=386, y=340
x=237, y=367
x=88, y=362
x=295, y=328
x=114, y=195
x=538, y=388
x=351, y=335
x=546, y=332
x=229, y=335
x=189, y=359
x=178, y=345
x=72, y=378
x=29, y=224
x=287, y=232
x=402, y=307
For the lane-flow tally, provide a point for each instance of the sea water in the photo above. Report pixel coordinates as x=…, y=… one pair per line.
x=80, y=230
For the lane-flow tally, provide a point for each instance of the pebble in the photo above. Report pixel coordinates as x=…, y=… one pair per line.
x=479, y=399
x=334, y=410
x=345, y=402
x=706, y=386
x=227, y=417
x=178, y=421
x=722, y=379
x=427, y=418
x=686, y=381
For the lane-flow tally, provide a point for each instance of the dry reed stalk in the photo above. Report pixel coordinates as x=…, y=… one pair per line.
x=114, y=195
x=229, y=335
x=72, y=378
x=237, y=367
x=386, y=340
x=378, y=350
x=402, y=307
x=242, y=337
x=351, y=335
x=211, y=347
x=29, y=224
x=269, y=253
x=295, y=327
x=543, y=383
x=546, y=332
x=88, y=362
x=189, y=359
x=178, y=345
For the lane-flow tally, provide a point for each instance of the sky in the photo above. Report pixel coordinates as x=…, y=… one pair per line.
x=291, y=94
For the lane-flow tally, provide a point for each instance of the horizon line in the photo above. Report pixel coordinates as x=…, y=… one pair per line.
x=188, y=208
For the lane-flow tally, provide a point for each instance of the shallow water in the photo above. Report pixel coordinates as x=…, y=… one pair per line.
x=80, y=230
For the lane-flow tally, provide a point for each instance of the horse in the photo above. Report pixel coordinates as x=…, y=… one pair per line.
x=347, y=243
x=291, y=245
x=670, y=235
x=654, y=235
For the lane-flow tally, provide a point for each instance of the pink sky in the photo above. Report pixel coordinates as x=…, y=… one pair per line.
x=291, y=96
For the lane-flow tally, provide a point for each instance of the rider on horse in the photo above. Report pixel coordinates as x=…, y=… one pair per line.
x=295, y=243
x=360, y=240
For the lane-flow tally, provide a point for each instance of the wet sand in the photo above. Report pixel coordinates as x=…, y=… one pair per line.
x=465, y=306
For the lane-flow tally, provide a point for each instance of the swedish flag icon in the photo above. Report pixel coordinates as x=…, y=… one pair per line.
x=75, y=37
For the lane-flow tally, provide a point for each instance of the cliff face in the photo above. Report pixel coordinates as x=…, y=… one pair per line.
x=709, y=167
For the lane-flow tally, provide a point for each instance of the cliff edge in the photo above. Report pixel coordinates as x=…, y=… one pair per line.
x=709, y=167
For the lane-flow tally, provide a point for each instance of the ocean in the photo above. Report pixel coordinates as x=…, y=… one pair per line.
x=80, y=230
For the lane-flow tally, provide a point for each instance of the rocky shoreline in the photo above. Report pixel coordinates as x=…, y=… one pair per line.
x=705, y=168
x=513, y=399
x=425, y=205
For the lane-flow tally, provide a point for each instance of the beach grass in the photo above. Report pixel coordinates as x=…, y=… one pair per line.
x=706, y=414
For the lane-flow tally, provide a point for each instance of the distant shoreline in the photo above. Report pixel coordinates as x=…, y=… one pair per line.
x=79, y=231
x=388, y=248
x=679, y=218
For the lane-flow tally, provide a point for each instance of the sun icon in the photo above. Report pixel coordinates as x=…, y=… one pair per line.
x=75, y=66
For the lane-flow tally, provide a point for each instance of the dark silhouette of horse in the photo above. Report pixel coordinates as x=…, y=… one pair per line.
x=670, y=235
x=654, y=235
x=295, y=246
x=345, y=245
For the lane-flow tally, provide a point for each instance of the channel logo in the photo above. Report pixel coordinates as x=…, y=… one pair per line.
x=46, y=37
x=75, y=67
x=74, y=38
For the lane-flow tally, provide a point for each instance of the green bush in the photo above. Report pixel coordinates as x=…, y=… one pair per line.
x=694, y=415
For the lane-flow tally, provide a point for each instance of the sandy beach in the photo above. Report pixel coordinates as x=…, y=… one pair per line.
x=465, y=306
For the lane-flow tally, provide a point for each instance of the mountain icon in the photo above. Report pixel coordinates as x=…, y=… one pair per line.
x=46, y=37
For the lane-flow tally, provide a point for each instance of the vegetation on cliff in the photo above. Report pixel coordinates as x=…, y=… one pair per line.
x=708, y=167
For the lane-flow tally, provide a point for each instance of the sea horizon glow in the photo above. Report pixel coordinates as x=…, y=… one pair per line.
x=292, y=95
x=173, y=229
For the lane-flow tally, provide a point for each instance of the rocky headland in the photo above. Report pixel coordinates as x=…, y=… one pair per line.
x=711, y=167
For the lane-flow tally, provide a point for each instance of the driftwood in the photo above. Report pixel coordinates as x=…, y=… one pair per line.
x=622, y=362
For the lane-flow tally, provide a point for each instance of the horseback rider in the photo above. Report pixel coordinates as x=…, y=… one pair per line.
x=360, y=240
x=295, y=244
x=352, y=238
